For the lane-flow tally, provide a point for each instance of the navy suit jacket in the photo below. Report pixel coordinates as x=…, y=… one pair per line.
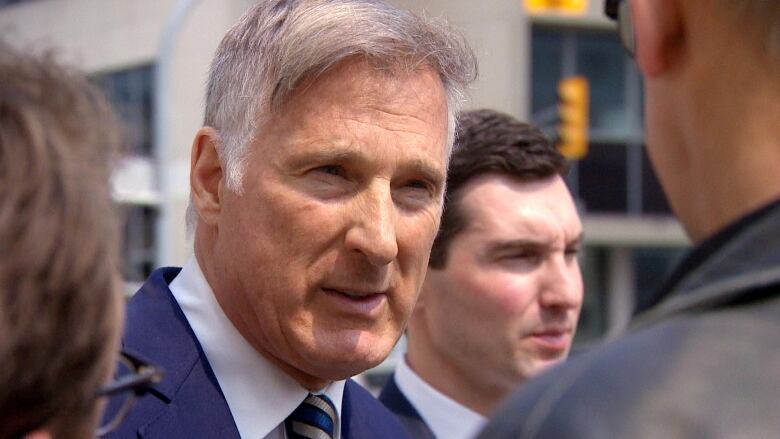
x=395, y=400
x=189, y=403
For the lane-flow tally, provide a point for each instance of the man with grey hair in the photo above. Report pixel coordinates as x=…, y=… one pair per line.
x=317, y=185
x=704, y=361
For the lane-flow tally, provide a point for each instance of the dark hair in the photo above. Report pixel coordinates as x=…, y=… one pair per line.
x=59, y=288
x=489, y=142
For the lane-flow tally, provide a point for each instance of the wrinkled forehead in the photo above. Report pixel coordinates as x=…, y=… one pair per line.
x=354, y=68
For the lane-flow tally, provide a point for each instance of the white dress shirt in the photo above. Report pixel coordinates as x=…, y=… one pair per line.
x=259, y=394
x=445, y=417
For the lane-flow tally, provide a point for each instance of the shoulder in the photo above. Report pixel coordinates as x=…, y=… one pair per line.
x=680, y=378
x=364, y=416
x=188, y=400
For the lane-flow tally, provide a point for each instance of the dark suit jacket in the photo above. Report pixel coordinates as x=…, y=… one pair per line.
x=189, y=403
x=703, y=363
x=395, y=400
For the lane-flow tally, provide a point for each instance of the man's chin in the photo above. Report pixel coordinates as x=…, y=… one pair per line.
x=340, y=365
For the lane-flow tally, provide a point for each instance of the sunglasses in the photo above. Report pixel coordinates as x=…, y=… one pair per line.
x=619, y=11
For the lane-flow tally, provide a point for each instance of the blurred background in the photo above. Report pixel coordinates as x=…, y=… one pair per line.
x=151, y=57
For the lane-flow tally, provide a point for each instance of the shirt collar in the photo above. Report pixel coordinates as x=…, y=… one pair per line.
x=444, y=416
x=259, y=394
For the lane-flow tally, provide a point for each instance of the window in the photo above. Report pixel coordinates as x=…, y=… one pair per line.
x=615, y=176
x=138, y=244
x=11, y=2
x=130, y=92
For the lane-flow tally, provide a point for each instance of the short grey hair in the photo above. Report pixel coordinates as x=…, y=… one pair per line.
x=279, y=43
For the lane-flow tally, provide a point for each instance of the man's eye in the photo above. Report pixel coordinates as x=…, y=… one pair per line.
x=525, y=255
x=572, y=251
x=335, y=170
x=419, y=184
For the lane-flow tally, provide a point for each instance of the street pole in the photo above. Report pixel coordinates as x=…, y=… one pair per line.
x=166, y=222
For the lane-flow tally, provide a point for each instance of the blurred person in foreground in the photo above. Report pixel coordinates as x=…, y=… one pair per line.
x=60, y=289
x=503, y=290
x=317, y=184
x=705, y=360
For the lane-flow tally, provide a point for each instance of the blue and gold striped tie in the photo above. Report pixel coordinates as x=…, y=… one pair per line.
x=315, y=418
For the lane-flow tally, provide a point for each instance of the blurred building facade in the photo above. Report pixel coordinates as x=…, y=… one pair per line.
x=151, y=57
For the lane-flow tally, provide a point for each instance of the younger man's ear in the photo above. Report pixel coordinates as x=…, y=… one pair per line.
x=660, y=34
x=206, y=175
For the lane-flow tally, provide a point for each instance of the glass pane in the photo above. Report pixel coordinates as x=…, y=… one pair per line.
x=653, y=198
x=130, y=92
x=600, y=58
x=138, y=248
x=11, y=2
x=602, y=178
x=546, y=53
x=592, y=323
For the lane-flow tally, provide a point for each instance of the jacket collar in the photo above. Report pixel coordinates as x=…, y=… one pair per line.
x=154, y=319
x=743, y=258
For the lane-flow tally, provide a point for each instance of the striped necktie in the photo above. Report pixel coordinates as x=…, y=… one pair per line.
x=315, y=418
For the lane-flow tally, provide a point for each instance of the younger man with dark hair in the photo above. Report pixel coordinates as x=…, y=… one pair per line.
x=503, y=290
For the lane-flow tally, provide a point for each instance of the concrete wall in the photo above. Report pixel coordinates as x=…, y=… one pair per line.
x=499, y=34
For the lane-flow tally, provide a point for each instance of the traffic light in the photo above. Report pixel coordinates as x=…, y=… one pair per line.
x=574, y=103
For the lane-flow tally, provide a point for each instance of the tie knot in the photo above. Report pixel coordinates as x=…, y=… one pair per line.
x=315, y=418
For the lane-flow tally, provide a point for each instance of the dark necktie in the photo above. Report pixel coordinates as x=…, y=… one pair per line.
x=315, y=418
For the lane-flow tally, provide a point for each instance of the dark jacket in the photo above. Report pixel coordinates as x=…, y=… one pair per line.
x=188, y=403
x=392, y=397
x=703, y=363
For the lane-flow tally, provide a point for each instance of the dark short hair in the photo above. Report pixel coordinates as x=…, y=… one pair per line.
x=58, y=247
x=489, y=142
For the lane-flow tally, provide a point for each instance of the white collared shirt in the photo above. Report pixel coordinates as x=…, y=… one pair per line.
x=259, y=394
x=447, y=418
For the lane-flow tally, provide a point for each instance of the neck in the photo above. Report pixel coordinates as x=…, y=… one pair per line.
x=729, y=115
x=467, y=389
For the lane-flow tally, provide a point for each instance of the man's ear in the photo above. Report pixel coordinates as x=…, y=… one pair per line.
x=660, y=34
x=206, y=174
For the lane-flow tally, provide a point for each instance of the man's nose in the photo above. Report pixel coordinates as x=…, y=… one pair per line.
x=561, y=284
x=373, y=231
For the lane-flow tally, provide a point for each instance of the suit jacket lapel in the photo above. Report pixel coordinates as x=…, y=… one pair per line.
x=194, y=405
x=399, y=404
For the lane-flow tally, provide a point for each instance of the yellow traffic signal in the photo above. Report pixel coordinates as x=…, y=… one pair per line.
x=574, y=97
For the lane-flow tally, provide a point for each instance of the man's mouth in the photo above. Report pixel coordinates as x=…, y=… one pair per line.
x=556, y=339
x=364, y=302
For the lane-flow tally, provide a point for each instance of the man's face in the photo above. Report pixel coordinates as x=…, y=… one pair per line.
x=325, y=250
x=505, y=305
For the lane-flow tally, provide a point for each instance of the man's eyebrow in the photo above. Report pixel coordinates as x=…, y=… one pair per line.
x=516, y=244
x=428, y=171
x=577, y=240
x=325, y=154
x=527, y=243
x=321, y=155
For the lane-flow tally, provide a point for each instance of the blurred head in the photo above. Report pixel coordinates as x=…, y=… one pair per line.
x=319, y=179
x=503, y=290
x=711, y=131
x=59, y=283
